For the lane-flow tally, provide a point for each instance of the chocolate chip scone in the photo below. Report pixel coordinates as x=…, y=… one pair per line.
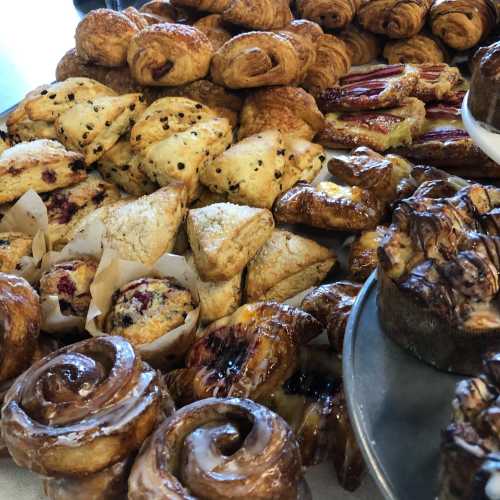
x=13, y=247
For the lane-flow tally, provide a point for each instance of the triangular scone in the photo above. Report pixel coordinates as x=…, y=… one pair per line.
x=303, y=162
x=165, y=117
x=41, y=165
x=183, y=155
x=95, y=126
x=224, y=237
x=13, y=247
x=286, y=265
x=251, y=171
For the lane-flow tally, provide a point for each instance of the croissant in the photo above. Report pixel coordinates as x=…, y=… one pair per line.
x=333, y=14
x=363, y=46
x=417, y=50
x=81, y=409
x=256, y=59
x=291, y=110
x=461, y=24
x=394, y=18
x=219, y=449
x=169, y=54
x=214, y=28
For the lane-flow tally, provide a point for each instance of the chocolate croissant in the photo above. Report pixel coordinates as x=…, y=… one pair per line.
x=332, y=14
x=169, y=54
x=394, y=18
x=461, y=24
x=417, y=50
x=214, y=28
x=219, y=449
x=363, y=46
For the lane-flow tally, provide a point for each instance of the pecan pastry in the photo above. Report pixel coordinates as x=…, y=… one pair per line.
x=215, y=29
x=379, y=130
x=439, y=278
x=13, y=247
x=435, y=81
x=363, y=256
x=394, y=18
x=169, y=54
x=363, y=46
x=418, y=49
x=329, y=206
x=371, y=87
x=461, y=24
x=89, y=396
x=331, y=305
x=219, y=449
x=334, y=14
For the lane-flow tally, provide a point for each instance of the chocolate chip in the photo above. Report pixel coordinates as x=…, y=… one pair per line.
x=277, y=174
x=108, y=124
x=260, y=163
x=52, y=96
x=77, y=165
x=90, y=126
x=198, y=106
x=181, y=115
x=131, y=107
x=181, y=166
x=322, y=158
x=138, y=137
x=218, y=170
x=164, y=119
x=166, y=126
x=98, y=149
x=85, y=135
x=71, y=97
x=96, y=109
x=142, y=98
x=281, y=152
x=43, y=92
x=49, y=176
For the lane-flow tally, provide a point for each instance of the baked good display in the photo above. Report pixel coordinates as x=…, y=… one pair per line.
x=363, y=256
x=485, y=86
x=332, y=14
x=363, y=47
x=13, y=247
x=417, y=49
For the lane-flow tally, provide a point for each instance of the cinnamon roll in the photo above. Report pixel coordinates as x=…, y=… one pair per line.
x=461, y=24
x=169, y=54
x=219, y=449
x=81, y=409
x=417, y=50
x=394, y=18
x=363, y=46
x=333, y=14
x=214, y=28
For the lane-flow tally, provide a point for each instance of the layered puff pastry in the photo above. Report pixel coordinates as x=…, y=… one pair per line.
x=363, y=46
x=290, y=110
x=215, y=29
x=42, y=165
x=67, y=207
x=329, y=206
x=13, y=247
x=363, y=256
x=393, y=18
x=417, y=49
x=285, y=265
x=224, y=237
x=169, y=54
x=250, y=172
x=333, y=14
x=94, y=126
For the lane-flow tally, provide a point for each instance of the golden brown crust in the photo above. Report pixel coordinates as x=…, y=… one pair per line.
x=102, y=37
x=333, y=14
x=436, y=81
x=289, y=109
x=261, y=15
x=363, y=47
x=169, y=54
x=363, y=257
x=417, y=50
x=5, y=141
x=214, y=28
x=13, y=247
x=165, y=10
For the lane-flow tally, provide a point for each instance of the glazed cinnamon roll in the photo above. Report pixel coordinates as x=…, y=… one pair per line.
x=219, y=449
x=417, y=50
x=214, y=28
x=394, y=18
x=81, y=409
x=461, y=24
x=331, y=14
x=363, y=46
x=169, y=54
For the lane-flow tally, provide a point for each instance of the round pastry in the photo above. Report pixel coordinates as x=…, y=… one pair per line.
x=417, y=50
x=219, y=449
x=484, y=94
x=102, y=37
x=20, y=320
x=148, y=308
x=169, y=54
x=438, y=279
x=70, y=282
x=81, y=409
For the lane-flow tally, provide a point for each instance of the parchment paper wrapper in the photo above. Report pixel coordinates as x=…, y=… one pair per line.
x=87, y=243
x=29, y=216
x=114, y=272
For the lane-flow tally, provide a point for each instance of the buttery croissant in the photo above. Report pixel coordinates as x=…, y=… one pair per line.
x=214, y=28
x=363, y=46
x=417, y=50
x=394, y=18
x=331, y=14
x=169, y=54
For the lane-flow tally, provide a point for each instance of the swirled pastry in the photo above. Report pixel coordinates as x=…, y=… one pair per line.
x=214, y=28
x=332, y=62
x=285, y=265
x=417, y=50
x=13, y=247
x=333, y=14
x=363, y=46
x=291, y=110
x=394, y=18
x=461, y=24
x=41, y=165
x=247, y=451
x=103, y=35
x=169, y=54
x=54, y=422
x=329, y=206
x=363, y=256
x=224, y=237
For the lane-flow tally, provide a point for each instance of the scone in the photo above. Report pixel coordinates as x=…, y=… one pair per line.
x=70, y=282
x=67, y=207
x=224, y=237
x=217, y=298
x=183, y=155
x=121, y=166
x=94, y=126
x=4, y=141
x=42, y=165
x=148, y=308
x=285, y=265
x=251, y=171
x=13, y=247
x=363, y=257
x=329, y=206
